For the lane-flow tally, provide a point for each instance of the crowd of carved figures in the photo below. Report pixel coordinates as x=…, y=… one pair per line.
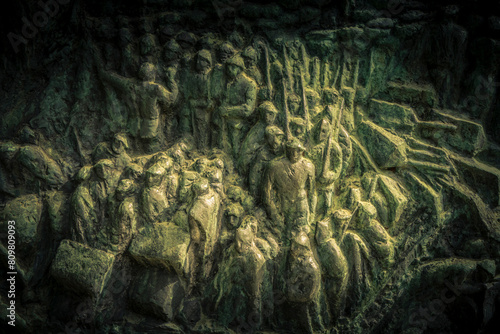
x=273, y=118
x=252, y=150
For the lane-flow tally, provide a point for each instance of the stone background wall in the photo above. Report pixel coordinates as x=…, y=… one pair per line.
x=418, y=84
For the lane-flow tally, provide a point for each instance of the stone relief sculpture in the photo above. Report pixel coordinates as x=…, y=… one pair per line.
x=263, y=183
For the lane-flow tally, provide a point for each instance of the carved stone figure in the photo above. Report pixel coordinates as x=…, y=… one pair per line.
x=303, y=283
x=250, y=57
x=292, y=178
x=154, y=202
x=243, y=272
x=146, y=94
x=333, y=263
x=327, y=157
x=256, y=136
x=115, y=151
x=199, y=99
x=83, y=210
x=124, y=221
x=238, y=104
x=204, y=228
x=102, y=185
x=274, y=143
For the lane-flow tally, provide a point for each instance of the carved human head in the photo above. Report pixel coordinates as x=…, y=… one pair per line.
x=201, y=187
x=226, y=51
x=244, y=239
x=84, y=173
x=203, y=61
x=294, y=150
x=154, y=175
x=250, y=56
x=119, y=144
x=274, y=136
x=201, y=165
x=171, y=50
x=126, y=188
x=340, y=218
x=268, y=112
x=300, y=244
x=323, y=231
x=313, y=98
x=218, y=163
x=103, y=168
x=147, y=72
x=133, y=171
x=367, y=212
x=235, y=66
x=233, y=213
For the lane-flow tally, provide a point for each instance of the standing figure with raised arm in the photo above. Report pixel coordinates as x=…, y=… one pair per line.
x=146, y=95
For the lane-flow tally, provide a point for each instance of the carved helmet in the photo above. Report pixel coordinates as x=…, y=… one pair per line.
x=237, y=61
x=250, y=53
x=267, y=106
x=296, y=144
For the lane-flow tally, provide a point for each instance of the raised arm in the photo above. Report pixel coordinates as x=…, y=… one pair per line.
x=125, y=85
x=169, y=95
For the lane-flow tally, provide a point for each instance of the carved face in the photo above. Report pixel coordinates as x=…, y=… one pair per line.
x=294, y=154
x=233, y=221
x=154, y=176
x=226, y=52
x=117, y=146
x=103, y=169
x=269, y=117
x=147, y=72
x=233, y=71
x=275, y=141
x=201, y=165
x=202, y=65
x=244, y=239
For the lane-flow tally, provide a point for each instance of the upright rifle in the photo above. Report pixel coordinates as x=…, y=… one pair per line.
x=288, y=133
x=268, y=69
x=327, y=154
x=304, y=100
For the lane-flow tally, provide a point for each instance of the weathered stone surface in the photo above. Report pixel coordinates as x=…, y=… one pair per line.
x=157, y=293
x=393, y=116
x=469, y=138
x=396, y=199
x=411, y=94
x=163, y=245
x=387, y=149
x=484, y=178
x=82, y=269
x=154, y=113
x=26, y=211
